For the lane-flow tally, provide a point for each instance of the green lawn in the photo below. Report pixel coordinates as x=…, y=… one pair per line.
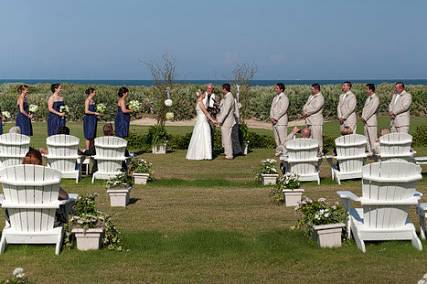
x=209, y=221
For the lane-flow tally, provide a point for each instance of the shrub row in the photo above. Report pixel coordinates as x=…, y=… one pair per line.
x=184, y=99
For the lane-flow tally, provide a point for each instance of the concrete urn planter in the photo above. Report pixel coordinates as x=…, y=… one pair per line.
x=119, y=196
x=159, y=149
x=292, y=197
x=328, y=236
x=246, y=149
x=140, y=178
x=269, y=179
x=88, y=239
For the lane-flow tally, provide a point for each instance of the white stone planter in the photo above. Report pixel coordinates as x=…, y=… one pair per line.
x=140, y=178
x=328, y=236
x=293, y=197
x=89, y=239
x=159, y=149
x=269, y=179
x=246, y=149
x=119, y=197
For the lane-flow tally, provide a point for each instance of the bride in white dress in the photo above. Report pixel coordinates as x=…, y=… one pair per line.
x=200, y=147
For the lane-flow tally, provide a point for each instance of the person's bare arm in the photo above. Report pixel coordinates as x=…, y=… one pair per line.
x=123, y=107
x=51, y=109
x=87, y=111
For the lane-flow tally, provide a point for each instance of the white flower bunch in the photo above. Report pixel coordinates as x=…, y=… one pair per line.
x=289, y=181
x=101, y=108
x=64, y=109
x=18, y=273
x=33, y=108
x=322, y=213
x=168, y=102
x=169, y=115
x=134, y=106
x=119, y=180
x=5, y=114
x=269, y=165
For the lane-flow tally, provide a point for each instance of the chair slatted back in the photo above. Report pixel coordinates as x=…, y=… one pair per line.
x=302, y=153
x=13, y=148
x=395, y=144
x=351, y=152
x=63, y=152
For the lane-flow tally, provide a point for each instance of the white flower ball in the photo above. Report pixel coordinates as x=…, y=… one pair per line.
x=168, y=102
x=169, y=116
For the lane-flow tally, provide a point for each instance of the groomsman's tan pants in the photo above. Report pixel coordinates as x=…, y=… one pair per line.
x=317, y=134
x=371, y=133
x=401, y=129
x=226, y=141
x=280, y=133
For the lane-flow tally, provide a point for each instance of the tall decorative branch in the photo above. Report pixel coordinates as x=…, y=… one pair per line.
x=242, y=76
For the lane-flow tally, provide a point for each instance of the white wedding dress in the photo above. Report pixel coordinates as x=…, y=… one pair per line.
x=200, y=147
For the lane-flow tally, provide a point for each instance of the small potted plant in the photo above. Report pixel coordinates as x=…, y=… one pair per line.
x=141, y=170
x=288, y=190
x=267, y=172
x=91, y=227
x=118, y=188
x=322, y=221
x=157, y=137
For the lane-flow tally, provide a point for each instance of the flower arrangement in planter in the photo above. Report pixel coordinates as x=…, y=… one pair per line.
x=118, y=188
x=322, y=221
x=91, y=227
x=18, y=277
x=141, y=170
x=287, y=190
x=267, y=172
x=157, y=137
x=244, y=130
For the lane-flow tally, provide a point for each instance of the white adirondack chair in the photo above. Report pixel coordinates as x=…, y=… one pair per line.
x=388, y=190
x=396, y=145
x=31, y=200
x=110, y=154
x=351, y=153
x=63, y=155
x=302, y=159
x=13, y=148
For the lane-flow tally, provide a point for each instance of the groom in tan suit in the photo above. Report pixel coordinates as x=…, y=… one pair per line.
x=226, y=119
x=347, y=107
x=399, y=109
x=279, y=117
x=369, y=117
x=313, y=114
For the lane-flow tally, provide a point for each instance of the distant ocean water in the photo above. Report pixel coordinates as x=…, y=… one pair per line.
x=201, y=82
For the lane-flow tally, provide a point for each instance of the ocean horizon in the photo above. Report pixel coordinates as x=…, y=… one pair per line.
x=216, y=82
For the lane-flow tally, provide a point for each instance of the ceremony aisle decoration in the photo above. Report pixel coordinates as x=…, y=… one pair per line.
x=91, y=227
x=158, y=138
x=141, y=170
x=267, y=172
x=287, y=190
x=118, y=188
x=322, y=221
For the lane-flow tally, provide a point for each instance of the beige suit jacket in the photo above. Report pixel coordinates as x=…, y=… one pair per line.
x=347, y=108
x=401, y=108
x=314, y=109
x=279, y=109
x=370, y=110
x=226, y=114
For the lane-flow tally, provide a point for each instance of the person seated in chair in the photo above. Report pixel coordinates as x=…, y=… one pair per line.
x=304, y=133
x=15, y=129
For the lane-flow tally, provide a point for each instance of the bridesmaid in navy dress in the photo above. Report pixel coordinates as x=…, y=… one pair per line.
x=123, y=114
x=90, y=119
x=1, y=123
x=23, y=117
x=55, y=118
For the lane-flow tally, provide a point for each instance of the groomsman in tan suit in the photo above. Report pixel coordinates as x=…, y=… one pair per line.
x=279, y=117
x=369, y=116
x=313, y=114
x=399, y=109
x=347, y=107
x=226, y=119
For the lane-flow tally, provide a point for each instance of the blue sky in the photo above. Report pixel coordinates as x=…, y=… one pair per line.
x=305, y=39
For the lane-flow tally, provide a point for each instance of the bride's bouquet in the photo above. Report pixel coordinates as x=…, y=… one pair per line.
x=101, y=108
x=33, y=108
x=134, y=106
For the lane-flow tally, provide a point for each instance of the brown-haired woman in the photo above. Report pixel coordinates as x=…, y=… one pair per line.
x=23, y=117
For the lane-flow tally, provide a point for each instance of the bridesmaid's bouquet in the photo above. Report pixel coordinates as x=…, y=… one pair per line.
x=33, y=108
x=169, y=115
x=134, y=106
x=101, y=108
x=5, y=115
x=64, y=109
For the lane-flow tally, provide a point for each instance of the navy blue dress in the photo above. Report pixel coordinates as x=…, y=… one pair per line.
x=121, y=123
x=90, y=122
x=1, y=125
x=24, y=122
x=54, y=121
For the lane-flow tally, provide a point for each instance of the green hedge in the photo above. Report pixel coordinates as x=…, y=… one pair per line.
x=184, y=99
